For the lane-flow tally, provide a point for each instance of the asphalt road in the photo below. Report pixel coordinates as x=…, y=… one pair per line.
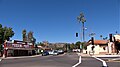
x=67, y=60
x=90, y=62
x=63, y=60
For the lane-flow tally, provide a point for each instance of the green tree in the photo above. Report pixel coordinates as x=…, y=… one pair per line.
x=84, y=45
x=82, y=19
x=65, y=47
x=24, y=35
x=41, y=44
x=30, y=36
x=5, y=34
x=101, y=36
x=78, y=44
x=105, y=38
x=1, y=34
x=81, y=45
x=72, y=46
x=8, y=32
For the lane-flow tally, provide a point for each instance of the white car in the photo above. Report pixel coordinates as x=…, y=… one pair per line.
x=55, y=53
x=60, y=51
x=76, y=50
x=50, y=52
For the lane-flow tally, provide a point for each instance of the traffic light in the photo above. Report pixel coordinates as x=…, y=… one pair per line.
x=92, y=40
x=76, y=34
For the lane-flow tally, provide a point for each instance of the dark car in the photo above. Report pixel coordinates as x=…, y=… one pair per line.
x=45, y=53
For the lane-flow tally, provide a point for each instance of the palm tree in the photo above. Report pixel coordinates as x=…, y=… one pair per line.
x=101, y=36
x=24, y=35
x=105, y=38
x=82, y=19
x=30, y=36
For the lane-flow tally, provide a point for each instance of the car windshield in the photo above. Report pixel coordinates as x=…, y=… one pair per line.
x=55, y=51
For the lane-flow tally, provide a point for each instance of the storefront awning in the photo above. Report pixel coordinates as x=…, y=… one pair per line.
x=19, y=48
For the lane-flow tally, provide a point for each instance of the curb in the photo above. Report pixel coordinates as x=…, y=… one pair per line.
x=117, y=59
x=21, y=57
x=84, y=55
x=107, y=55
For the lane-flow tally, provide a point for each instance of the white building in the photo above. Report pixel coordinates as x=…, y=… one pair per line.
x=101, y=47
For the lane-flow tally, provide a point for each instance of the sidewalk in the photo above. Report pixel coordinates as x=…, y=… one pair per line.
x=84, y=55
x=107, y=56
x=111, y=57
x=20, y=57
x=115, y=57
x=99, y=55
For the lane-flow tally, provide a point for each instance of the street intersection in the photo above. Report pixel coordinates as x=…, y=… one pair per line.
x=63, y=60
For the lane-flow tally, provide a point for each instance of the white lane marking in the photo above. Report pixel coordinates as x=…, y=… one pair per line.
x=104, y=63
x=76, y=64
x=79, y=61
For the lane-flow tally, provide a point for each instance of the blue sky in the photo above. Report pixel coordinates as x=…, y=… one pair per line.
x=55, y=20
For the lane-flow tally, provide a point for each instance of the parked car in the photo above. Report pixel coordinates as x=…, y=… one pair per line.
x=55, y=52
x=50, y=52
x=45, y=53
x=76, y=50
x=60, y=51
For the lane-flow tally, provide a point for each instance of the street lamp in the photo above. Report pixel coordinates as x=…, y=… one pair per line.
x=82, y=19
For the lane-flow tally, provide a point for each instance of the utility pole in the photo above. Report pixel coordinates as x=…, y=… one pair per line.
x=92, y=42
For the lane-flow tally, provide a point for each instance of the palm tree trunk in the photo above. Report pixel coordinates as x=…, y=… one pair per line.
x=83, y=32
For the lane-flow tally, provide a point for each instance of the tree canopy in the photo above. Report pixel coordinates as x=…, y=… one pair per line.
x=28, y=37
x=24, y=35
x=5, y=33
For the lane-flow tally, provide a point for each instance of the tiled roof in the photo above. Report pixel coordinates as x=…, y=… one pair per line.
x=100, y=42
x=97, y=42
